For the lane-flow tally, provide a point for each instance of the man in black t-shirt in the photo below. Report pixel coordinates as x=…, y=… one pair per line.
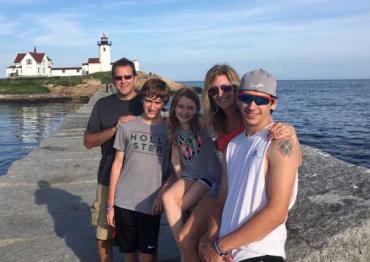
x=108, y=113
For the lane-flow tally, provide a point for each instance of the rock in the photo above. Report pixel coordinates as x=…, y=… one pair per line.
x=331, y=218
x=142, y=77
x=93, y=82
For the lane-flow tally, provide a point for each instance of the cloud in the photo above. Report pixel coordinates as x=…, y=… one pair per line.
x=20, y=2
x=7, y=26
x=57, y=30
x=199, y=32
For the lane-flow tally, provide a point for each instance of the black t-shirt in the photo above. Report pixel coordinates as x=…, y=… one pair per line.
x=104, y=115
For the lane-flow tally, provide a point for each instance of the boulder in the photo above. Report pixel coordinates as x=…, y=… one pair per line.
x=331, y=217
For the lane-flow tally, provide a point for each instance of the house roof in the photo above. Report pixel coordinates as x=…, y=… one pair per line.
x=19, y=57
x=93, y=61
x=37, y=56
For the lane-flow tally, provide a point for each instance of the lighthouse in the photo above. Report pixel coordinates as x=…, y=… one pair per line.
x=104, y=53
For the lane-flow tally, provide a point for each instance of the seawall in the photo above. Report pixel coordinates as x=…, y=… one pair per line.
x=45, y=204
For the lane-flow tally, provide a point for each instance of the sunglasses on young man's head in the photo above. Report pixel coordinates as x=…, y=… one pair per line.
x=213, y=90
x=119, y=78
x=259, y=100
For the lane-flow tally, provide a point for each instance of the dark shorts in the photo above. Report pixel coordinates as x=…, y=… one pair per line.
x=136, y=231
x=204, y=180
x=213, y=188
x=264, y=259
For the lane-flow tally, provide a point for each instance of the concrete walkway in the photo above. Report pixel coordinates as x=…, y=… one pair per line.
x=45, y=204
x=45, y=200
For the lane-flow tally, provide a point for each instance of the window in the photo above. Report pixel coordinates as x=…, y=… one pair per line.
x=104, y=49
x=38, y=70
x=29, y=62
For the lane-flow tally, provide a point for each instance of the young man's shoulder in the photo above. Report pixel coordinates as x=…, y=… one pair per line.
x=138, y=121
x=283, y=149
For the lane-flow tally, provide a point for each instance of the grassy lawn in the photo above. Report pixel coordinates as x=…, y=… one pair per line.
x=22, y=86
x=39, y=85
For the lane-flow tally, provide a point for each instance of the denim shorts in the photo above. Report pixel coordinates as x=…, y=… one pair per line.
x=213, y=188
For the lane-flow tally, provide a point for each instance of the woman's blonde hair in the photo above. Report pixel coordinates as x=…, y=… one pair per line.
x=174, y=122
x=214, y=117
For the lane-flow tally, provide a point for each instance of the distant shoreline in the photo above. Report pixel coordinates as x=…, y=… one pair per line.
x=42, y=98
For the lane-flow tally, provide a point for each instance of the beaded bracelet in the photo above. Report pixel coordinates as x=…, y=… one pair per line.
x=218, y=250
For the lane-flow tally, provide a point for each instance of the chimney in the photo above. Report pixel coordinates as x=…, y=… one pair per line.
x=34, y=49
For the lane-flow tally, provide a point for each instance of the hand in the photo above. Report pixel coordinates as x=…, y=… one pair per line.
x=157, y=205
x=110, y=217
x=280, y=131
x=124, y=119
x=207, y=252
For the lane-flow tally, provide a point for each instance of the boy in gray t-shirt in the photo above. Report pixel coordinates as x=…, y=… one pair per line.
x=137, y=178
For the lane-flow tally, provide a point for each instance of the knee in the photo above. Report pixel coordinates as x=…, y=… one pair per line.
x=186, y=242
x=168, y=199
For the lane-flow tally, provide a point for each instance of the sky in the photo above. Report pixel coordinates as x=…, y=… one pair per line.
x=181, y=40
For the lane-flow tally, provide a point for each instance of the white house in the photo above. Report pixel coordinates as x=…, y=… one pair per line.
x=30, y=64
x=39, y=64
x=66, y=71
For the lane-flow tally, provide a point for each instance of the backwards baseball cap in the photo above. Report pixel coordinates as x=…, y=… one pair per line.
x=259, y=80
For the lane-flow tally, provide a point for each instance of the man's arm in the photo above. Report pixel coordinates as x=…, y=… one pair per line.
x=115, y=173
x=279, y=131
x=282, y=158
x=96, y=139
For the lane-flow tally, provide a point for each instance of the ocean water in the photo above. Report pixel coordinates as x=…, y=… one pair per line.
x=23, y=126
x=332, y=115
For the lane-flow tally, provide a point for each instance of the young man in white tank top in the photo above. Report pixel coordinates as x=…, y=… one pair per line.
x=259, y=183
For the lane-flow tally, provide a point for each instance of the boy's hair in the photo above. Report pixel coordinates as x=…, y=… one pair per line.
x=174, y=122
x=214, y=117
x=156, y=88
x=123, y=62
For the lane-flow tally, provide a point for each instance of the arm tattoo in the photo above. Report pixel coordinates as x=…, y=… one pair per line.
x=285, y=147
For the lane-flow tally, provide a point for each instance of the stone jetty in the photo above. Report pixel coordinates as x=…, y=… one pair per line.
x=45, y=204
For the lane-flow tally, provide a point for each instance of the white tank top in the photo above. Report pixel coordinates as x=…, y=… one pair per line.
x=247, y=194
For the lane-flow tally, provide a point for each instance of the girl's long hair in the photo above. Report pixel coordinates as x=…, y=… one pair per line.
x=174, y=123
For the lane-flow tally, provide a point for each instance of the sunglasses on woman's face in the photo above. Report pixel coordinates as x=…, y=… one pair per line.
x=259, y=100
x=213, y=90
x=119, y=78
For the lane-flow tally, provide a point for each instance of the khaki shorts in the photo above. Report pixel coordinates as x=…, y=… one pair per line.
x=98, y=213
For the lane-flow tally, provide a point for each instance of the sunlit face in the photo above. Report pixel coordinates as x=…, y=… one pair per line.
x=225, y=97
x=253, y=114
x=185, y=110
x=152, y=107
x=126, y=85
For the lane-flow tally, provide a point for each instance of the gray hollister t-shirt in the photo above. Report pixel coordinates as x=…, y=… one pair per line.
x=198, y=156
x=146, y=160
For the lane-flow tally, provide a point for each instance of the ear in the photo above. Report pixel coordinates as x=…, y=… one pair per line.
x=274, y=104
